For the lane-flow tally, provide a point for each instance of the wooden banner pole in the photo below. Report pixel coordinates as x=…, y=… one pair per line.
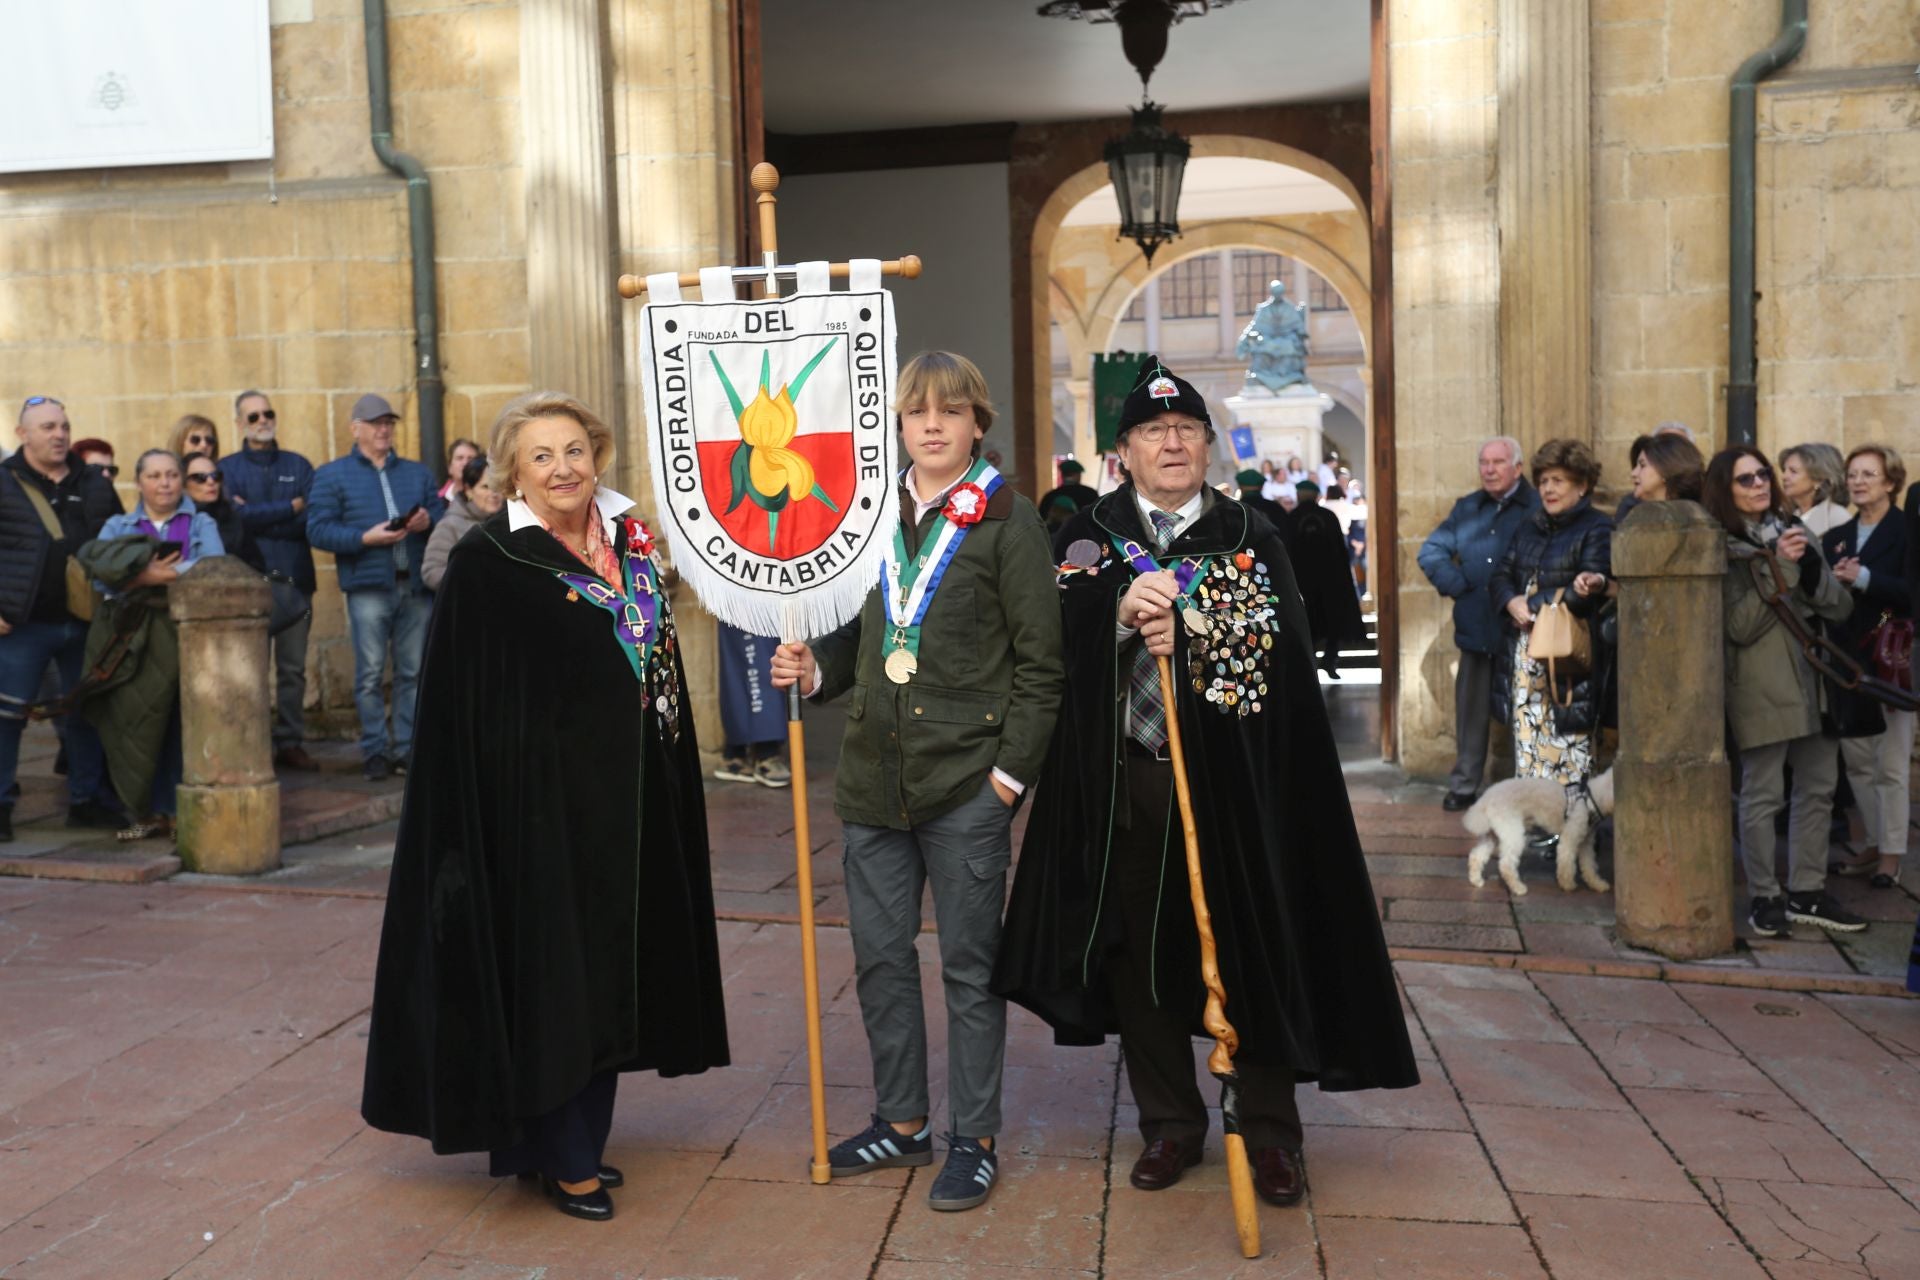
x=765, y=179
x=1225, y=1039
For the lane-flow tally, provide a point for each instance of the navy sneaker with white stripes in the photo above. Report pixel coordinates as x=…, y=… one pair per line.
x=967, y=1178
x=881, y=1146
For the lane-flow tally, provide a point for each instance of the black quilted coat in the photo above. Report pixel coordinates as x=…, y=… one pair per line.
x=1547, y=553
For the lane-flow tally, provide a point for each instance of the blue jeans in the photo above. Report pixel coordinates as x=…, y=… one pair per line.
x=379, y=619
x=24, y=654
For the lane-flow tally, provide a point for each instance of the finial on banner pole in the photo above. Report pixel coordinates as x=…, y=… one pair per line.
x=766, y=180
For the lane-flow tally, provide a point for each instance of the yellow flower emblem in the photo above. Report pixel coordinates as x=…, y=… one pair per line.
x=766, y=468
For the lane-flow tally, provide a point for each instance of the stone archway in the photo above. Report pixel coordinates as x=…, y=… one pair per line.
x=1085, y=181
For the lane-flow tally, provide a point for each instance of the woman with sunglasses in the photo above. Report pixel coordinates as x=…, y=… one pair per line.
x=194, y=434
x=206, y=486
x=1775, y=699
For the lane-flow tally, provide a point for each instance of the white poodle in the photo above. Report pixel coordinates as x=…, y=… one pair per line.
x=1502, y=816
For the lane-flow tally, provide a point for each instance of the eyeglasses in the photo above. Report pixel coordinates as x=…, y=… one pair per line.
x=205, y=477
x=258, y=414
x=1754, y=479
x=109, y=470
x=1155, y=432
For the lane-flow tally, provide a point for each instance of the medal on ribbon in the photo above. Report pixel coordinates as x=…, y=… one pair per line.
x=636, y=610
x=907, y=587
x=1185, y=570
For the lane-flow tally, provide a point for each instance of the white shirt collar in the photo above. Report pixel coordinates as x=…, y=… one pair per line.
x=920, y=508
x=1189, y=510
x=612, y=505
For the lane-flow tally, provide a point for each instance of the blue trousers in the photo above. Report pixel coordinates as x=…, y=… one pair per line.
x=381, y=620
x=24, y=654
x=568, y=1143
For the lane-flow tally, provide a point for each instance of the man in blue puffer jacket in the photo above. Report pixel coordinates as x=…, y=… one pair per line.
x=1458, y=558
x=373, y=510
x=271, y=487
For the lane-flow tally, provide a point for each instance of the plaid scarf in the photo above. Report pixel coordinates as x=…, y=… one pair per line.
x=1146, y=708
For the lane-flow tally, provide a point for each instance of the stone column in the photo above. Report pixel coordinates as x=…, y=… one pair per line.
x=1086, y=445
x=1673, y=820
x=1545, y=213
x=571, y=321
x=679, y=199
x=229, y=820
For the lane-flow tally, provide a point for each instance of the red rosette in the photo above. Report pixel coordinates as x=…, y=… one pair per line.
x=966, y=505
x=638, y=539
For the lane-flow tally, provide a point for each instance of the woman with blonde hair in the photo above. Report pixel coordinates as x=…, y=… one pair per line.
x=1869, y=557
x=954, y=673
x=550, y=915
x=1812, y=476
x=193, y=434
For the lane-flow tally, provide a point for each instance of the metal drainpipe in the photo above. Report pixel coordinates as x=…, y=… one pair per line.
x=1743, y=392
x=426, y=323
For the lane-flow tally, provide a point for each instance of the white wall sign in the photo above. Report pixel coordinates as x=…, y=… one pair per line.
x=100, y=83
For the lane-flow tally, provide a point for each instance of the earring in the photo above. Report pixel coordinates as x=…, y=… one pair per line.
x=519, y=495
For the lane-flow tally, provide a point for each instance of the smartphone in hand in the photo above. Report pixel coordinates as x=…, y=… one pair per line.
x=400, y=522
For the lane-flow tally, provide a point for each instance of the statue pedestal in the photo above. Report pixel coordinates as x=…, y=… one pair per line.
x=1285, y=423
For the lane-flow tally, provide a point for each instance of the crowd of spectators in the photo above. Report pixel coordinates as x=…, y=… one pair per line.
x=85, y=635
x=1806, y=576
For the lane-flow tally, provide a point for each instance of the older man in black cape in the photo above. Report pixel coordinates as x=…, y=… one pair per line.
x=1100, y=935
x=1323, y=566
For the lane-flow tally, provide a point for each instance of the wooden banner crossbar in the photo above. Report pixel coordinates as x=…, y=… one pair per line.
x=907, y=268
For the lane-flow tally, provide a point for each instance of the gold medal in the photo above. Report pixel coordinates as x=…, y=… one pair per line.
x=901, y=664
x=1195, y=619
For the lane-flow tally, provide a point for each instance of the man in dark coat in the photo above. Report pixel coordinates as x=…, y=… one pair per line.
x=1070, y=488
x=1459, y=558
x=1100, y=933
x=1317, y=545
x=44, y=489
x=1251, y=482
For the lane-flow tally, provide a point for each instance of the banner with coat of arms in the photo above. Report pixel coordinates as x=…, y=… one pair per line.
x=770, y=434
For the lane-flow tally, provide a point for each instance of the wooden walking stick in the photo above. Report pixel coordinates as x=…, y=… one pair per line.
x=1226, y=1041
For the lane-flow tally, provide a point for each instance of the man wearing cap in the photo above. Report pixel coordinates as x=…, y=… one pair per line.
x=1252, y=484
x=1100, y=934
x=270, y=486
x=1070, y=488
x=373, y=510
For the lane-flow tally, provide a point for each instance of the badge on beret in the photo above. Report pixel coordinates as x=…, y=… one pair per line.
x=1162, y=388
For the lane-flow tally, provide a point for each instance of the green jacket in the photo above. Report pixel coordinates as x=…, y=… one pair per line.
x=1773, y=693
x=987, y=688
x=135, y=645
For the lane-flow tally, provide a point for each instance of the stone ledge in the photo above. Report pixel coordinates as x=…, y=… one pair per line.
x=109, y=866
x=368, y=811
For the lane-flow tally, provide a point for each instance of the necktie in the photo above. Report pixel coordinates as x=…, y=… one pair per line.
x=1146, y=711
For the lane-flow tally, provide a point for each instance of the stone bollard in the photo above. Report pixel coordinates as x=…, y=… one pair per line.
x=229, y=820
x=1673, y=821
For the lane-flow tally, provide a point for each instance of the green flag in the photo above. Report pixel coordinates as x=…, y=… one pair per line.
x=1112, y=379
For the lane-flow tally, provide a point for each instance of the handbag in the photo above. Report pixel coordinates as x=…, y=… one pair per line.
x=1847, y=682
x=1890, y=644
x=290, y=604
x=1563, y=642
x=80, y=595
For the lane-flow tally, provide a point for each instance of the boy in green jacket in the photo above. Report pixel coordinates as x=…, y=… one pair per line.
x=955, y=672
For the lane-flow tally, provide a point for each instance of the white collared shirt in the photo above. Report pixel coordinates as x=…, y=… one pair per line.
x=1188, y=512
x=611, y=506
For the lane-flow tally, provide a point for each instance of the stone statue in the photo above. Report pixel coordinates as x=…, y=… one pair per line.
x=1274, y=343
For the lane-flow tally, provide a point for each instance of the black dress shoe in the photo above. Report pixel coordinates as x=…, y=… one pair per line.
x=6, y=824
x=1162, y=1163
x=594, y=1206
x=1279, y=1176
x=1458, y=800
x=610, y=1177
x=91, y=815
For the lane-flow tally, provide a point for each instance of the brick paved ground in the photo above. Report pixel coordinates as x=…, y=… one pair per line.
x=180, y=1065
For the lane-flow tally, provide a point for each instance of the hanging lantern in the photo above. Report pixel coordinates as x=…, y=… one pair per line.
x=1146, y=167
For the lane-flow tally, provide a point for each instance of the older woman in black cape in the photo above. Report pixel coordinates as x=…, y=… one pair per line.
x=550, y=915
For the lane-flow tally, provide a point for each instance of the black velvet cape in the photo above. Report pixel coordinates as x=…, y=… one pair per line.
x=1301, y=954
x=1323, y=568
x=550, y=913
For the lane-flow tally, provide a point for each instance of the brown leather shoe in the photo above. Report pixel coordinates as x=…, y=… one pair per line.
x=1162, y=1163
x=296, y=757
x=1279, y=1176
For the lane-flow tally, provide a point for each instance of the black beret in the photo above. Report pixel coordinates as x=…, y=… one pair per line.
x=1156, y=390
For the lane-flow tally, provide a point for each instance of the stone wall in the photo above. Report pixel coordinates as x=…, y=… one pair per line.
x=137, y=295
x=1838, y=272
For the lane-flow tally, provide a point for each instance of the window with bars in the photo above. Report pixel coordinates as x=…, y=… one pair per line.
x=1189, y=289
